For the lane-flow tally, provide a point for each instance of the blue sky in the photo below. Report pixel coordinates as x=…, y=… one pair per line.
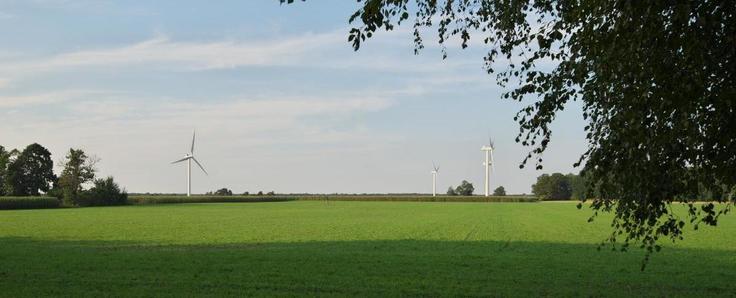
x=279, y=99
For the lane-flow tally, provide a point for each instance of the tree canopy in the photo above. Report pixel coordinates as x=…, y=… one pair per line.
x=465, y=188
x=553, y=187
x=656, y=80
x=499, y=191
x=30, y=172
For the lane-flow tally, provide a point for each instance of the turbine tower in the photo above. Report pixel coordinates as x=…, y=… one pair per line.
x=435, y=171
x=488, y=149
x=188, y=158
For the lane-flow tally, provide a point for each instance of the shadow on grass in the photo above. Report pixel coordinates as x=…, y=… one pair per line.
x=356, y=268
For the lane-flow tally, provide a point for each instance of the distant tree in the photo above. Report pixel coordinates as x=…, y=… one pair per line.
x=260, y=193
x=270, y=193
x=31, y=173
x=104, y=192
x=465, y=188
x=246, y=193
x=78, y=169
x=451, y=191
x=499, y=191
x=223, y=192
x=552, y=187
x=578, y=186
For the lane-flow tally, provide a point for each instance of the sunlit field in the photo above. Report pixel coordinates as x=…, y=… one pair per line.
x=346, y=249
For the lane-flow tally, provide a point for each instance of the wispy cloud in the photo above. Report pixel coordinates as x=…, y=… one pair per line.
x=26, y=100
x=185, y=55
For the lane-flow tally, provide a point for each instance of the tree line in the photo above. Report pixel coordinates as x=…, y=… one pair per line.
x=30, y=172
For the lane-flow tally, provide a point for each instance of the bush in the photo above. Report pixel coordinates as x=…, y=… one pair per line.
x=105, y=192
x=7, y=203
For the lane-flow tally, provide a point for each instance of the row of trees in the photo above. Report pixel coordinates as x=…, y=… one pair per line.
x=30, y=172
x=227, y=192
x=466, y=189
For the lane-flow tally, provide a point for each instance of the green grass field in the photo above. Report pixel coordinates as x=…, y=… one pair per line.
x=347, y=249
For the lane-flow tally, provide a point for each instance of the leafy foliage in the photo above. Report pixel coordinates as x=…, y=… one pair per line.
x=499, y=191
x=4, y=159
x=105, y=192
x=29, y=172
x=465, y=188
x=78, y=169
x=552, y=187
x=223, y=192
x=657, y=81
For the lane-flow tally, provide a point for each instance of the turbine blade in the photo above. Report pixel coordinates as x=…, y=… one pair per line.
x=194, y=134
x=493, y=163
x=200, y=166
x=178, y=161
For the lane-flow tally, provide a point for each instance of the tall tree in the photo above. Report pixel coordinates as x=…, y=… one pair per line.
x=657, y=81
x=78, y=169
x=12, y=174
x=4, y=159
x=31, y=172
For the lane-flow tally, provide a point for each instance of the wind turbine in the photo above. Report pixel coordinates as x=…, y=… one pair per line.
x=435, y=171
x=188, y=158
x=488, y=149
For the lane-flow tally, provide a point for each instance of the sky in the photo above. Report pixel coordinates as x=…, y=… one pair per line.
x=277, y=96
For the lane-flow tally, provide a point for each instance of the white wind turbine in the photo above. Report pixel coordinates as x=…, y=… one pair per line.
x=488, y=149
x=435, y=171
x=188, y=158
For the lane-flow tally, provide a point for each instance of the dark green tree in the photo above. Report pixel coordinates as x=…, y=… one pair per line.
x=552, y=187
x=78, y=170
x=499, y=191
x=465, y=189
x=223, y=192
x=31, y=172
x=656, y=79
x=104, y=192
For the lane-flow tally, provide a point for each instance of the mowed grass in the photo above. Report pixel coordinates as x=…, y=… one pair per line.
x=347, y=249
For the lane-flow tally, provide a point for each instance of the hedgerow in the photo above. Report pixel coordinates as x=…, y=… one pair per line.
x=7, y=203
x=173, y=199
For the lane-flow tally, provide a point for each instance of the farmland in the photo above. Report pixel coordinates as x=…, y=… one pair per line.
x=347, y=248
